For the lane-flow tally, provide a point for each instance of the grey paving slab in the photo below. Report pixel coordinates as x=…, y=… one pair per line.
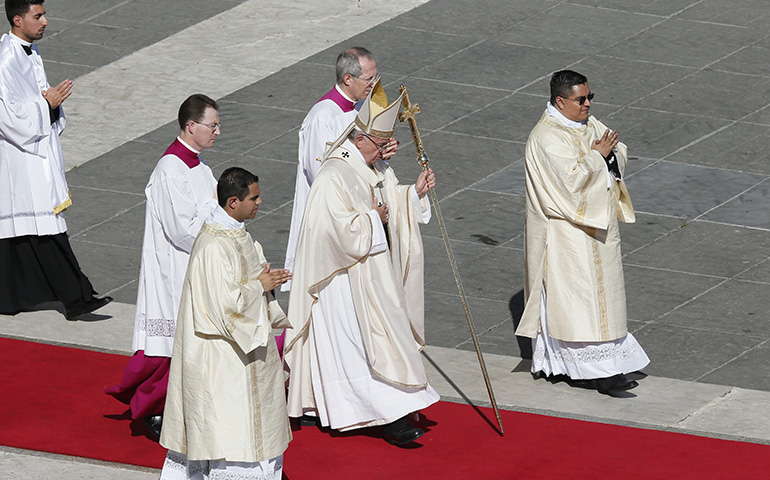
x=506, y=265
x=101, y=204
x=658, y=134
x=647, y=229
x=403, y=51
x=125, y=230
x=691, y=352
x=253, y=125
x=282, y=148
x=681, y=190
x=723, y=309
x=745, y=370
x=740, y=12
x=112, y=269
x=758, y=273
x=689, y=96
x=124, y=169
x=458, y=160
x=652, y=293
x=579, y=21
x=483, y=217
x=498, y=65
x=744, y=61
x=680, y=42
x=482, y=17
x=510, y=117
x=705, y=248
x=510, y=180
x=748, y=209
x=307, y=81
x=739, y=146
x=664, y=8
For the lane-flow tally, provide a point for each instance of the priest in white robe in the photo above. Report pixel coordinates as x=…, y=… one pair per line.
x=37, y=263
x=226, y=410
x=356, y=301
x=356, y=71
x=575, y=302
x=180, y=196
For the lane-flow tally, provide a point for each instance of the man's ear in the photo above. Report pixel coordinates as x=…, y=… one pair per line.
x=232, y=202
x=347, y=79
x=17, y=21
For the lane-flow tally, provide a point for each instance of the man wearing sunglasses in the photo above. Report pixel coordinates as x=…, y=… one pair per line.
x=575, y=301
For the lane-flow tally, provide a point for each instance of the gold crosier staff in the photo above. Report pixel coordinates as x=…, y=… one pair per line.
x=407, y=114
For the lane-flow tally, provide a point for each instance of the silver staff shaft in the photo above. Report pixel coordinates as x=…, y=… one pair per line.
x=407, y=114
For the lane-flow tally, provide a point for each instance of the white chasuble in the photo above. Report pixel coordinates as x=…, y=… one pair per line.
x=354, y=353
x=179, y=199
x=572, y=242
x=33, y=190
x=226, y=393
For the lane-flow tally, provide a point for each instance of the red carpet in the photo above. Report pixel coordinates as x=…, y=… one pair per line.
x=53, y=401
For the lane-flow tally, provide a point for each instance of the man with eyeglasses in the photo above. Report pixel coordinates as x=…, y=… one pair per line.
x=37, y=264
x=357, y=303
x=356, y=72
x=575, y=301
x=181, y=194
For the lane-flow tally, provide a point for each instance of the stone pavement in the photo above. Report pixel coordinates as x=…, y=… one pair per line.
x=683, y=81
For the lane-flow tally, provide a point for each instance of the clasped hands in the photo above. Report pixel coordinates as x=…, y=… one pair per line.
x=605, y=144
x=273, y=278
x=56, y=95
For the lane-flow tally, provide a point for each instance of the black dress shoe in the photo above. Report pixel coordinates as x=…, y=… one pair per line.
x=154, y=424
x=401, y=433
x=615, y=384
x=308, y=421
x=76, y=309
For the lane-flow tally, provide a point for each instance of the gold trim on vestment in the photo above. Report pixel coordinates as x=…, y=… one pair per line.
x=62, y=206
x=600, y=291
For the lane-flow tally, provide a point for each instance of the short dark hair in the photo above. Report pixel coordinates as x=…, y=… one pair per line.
x=349, y=62
x=18, y=7
x=234, y=182
x=562, y=83
x=194, y=108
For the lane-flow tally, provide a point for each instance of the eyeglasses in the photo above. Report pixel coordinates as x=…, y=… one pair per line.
x=369, y=80
x=212, y=126
x=581, y=100
x=380, y=147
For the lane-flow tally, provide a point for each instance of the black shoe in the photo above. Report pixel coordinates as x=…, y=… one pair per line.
x=615, y=384
x=154, y=424
x=401, y=433
x=308, y=421
x=74, y=310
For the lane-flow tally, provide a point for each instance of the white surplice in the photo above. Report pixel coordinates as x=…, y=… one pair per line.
x=33, y=190
x=179, y=199
x=178, y=467
x=325, y=122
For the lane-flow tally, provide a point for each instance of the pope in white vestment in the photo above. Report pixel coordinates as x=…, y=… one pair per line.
x=226, y=407
x=575, y=303
x=356, y=302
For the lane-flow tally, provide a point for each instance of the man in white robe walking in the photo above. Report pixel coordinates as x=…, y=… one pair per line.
x=37, y=263
x=356, y=303
x=226, y=411
x=180, y=196
x=575, y=301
